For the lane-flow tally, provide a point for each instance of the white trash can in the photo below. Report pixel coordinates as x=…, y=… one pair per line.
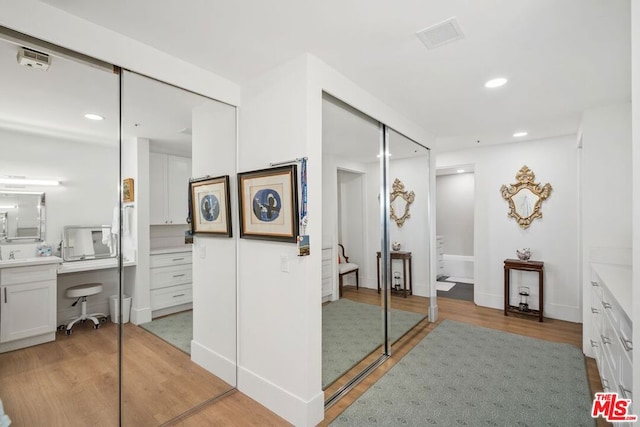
x=113, y=308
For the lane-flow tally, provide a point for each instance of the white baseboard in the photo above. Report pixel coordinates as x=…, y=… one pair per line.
x=552, y=311
x=292, y=408
x=213, y=362
x=140, y=315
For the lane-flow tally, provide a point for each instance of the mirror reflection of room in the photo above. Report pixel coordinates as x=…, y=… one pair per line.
x=409, y=180
x=59, y=168
x=64, y=231
x=351, y=310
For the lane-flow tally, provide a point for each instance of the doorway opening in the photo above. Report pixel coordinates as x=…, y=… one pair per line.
x=455, y=203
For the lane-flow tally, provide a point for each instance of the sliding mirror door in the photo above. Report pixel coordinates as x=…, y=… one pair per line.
x=408, y=188
x=179, y=347
x=352, y=315
x=57, y=126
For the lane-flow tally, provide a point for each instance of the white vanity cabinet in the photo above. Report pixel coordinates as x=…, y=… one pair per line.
x=171, y=278
x=168, y=189
x=611, y=328
x=28, y=306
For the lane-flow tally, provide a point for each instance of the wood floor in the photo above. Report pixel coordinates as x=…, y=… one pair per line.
x=73, y=382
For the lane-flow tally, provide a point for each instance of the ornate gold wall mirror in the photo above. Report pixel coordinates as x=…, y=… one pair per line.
x=400, y=202
x=525, y=197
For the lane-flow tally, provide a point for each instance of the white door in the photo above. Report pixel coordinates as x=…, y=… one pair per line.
x=158, y=189
x=179, y=169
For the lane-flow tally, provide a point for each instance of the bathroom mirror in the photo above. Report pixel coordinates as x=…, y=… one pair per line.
x=525, y=197
x=22, y=215
x=81, y=243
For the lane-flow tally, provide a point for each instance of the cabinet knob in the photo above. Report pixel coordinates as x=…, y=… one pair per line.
x=606, y=304
x=594, y=284
x=594, y=310
x=605, y=340
x=594, y=343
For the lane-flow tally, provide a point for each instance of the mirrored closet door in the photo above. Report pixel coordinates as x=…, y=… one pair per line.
x=182, y=300
x=352, y=308
x=376, y=213
x=408, y=178
x=59, y=171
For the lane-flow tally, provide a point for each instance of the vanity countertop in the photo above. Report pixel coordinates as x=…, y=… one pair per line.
x=27, y=262
x=175, y=249
x=90, y=265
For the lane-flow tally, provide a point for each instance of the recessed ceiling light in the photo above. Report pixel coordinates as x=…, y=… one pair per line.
x=92, y=116
x=460, y=171
x=493, y=83
x=519, y=134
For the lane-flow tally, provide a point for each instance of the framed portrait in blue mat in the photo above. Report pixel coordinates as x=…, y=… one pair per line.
x=210, y=206
x=268, y=200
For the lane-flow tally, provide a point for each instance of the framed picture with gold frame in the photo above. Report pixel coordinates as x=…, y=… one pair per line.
x=128, y=195
x=210, y=206
x=268, y=201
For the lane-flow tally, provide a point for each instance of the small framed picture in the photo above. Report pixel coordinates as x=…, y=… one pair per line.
x=210, y=206
x=268, y=202
x=127, y=190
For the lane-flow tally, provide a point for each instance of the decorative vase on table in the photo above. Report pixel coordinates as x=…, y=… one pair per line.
x=523, y=254
x=395, y=246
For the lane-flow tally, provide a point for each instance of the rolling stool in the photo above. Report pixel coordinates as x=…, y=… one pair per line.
x=81, y=292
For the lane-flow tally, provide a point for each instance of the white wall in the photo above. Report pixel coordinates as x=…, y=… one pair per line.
x=214, y=258
x=455, y=203
x=635, y=184
x=279, y=317
x=605, y=202
x=497, y=237
x=88, y=174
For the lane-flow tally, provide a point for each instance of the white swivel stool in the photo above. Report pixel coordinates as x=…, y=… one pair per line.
x=81, y=292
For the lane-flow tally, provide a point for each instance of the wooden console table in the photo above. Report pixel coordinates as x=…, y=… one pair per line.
x=404, y=256
x=516, y=264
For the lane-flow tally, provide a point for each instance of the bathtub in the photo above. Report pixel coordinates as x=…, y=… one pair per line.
x=458, y=265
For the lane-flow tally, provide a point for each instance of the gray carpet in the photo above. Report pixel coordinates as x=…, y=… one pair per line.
x=351, y=330
x=463, y=291
x=467, y=375
x=176, y=329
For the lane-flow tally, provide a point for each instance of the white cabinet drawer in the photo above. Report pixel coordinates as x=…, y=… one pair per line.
x=168, y=297
x=170, y=276
x=37, y=273
x=166, y=260
x=626, y=378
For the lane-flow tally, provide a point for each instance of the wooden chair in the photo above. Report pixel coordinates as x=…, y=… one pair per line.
x=346, y=267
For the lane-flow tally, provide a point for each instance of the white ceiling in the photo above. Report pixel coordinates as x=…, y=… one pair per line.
x=561, y=57
x=54, y=102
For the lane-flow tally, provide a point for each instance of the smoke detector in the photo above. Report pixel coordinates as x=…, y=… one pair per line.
x=442, y=33
x=33, y=59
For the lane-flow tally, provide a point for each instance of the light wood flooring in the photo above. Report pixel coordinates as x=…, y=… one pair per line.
x=73, y=381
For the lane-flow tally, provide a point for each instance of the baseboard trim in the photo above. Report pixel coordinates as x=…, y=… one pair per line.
x=552, y=311
x=292, y=408
x=213, y=362
x=139, y=316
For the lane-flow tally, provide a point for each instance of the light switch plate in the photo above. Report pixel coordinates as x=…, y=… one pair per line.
x=284, y=263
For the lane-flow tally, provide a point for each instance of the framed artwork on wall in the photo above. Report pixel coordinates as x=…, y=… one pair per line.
x=268, y=200
x=128, y=195
x=210, y=206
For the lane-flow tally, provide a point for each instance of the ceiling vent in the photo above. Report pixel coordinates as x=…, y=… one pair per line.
x=442, y=33
x=33, y=59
